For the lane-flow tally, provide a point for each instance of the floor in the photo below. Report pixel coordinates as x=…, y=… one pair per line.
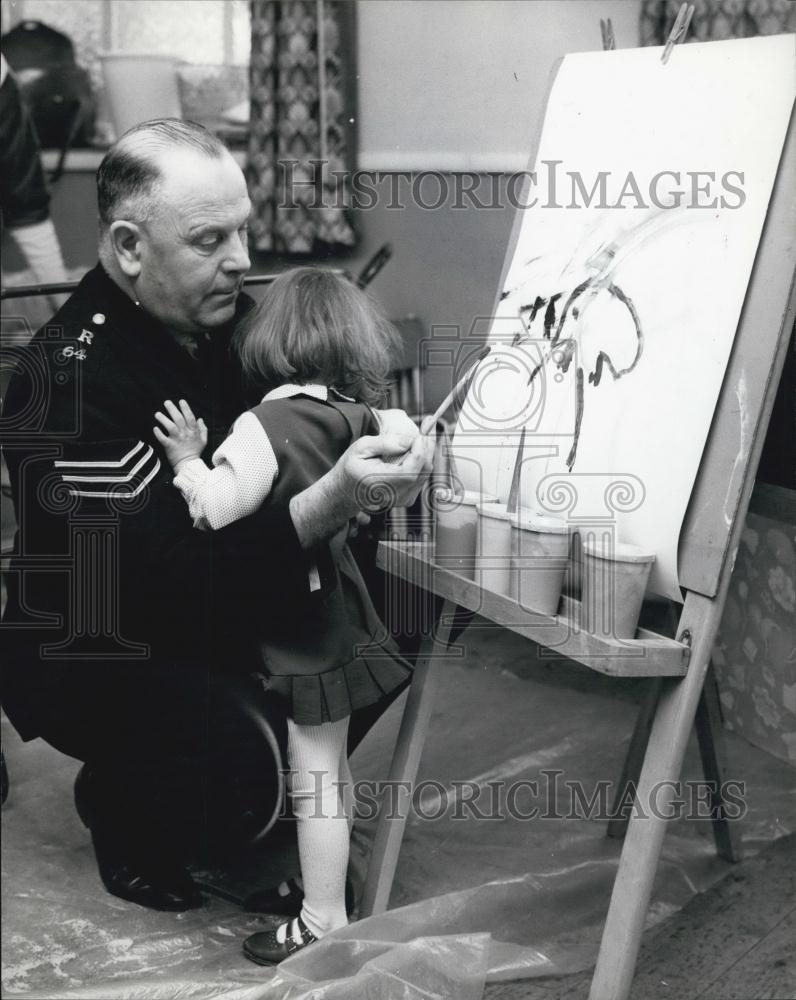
x=509, y=897
x=732, y=942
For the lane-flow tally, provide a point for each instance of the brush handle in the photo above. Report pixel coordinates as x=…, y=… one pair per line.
x=430, y=422
x=514, y=491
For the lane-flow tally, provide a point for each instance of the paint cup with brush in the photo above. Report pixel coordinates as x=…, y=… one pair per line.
x=495, y=520
x=493, y=559
x=455, y=508
x=495, y=538
x=615, y=576
x=540, y=555
x=456, y=536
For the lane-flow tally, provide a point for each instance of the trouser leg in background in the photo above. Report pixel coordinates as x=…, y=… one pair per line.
x=177, y=762
x=314, y=754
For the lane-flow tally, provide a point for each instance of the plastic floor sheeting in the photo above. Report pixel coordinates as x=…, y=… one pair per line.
x=484, y=887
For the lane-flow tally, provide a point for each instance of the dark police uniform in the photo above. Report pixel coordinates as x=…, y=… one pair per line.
x=127, y=632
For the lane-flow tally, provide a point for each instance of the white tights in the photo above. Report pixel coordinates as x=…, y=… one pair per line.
x=321, y=792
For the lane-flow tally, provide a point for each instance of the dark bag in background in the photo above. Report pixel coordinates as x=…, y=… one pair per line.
x=57, y=91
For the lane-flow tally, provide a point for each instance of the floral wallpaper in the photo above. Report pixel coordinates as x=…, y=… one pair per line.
x=755, y=653
x=301, y=137
x=717, y=19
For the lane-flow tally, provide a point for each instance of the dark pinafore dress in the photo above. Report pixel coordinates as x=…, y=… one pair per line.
x=333, y=654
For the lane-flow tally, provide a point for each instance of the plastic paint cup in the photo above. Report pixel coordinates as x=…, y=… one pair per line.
x=456, y=530
x=493, y=558
x=540, y=552
x=615, y=578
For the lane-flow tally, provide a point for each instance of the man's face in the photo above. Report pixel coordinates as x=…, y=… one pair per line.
x=194, y=249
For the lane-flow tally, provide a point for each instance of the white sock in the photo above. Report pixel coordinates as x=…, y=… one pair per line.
x=295, y=932
x=314, y=753
x=346, y=789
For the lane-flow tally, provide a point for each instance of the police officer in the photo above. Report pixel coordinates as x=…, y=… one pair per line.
x=127, y=631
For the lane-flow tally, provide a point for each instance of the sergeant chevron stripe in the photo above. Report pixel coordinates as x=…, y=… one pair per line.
x=102, y=464
x=111, y=477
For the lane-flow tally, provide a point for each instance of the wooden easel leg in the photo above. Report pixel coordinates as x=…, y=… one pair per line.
x=666, y=619
x=404, y=765
x=710, y=735
x=631, y=769
x=663, y=762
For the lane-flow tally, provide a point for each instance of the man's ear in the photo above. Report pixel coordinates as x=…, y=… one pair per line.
x=126, y=239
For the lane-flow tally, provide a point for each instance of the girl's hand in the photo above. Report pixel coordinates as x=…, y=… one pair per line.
x=397, y=422
x=360, y=521
x=183, y=436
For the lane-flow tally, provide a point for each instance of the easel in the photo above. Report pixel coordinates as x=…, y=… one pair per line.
x=677, y=668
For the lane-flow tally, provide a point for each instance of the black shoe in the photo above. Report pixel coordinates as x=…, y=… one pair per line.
x=148, y=877
x=264, y=949
x=270, y=901
x=156, y=885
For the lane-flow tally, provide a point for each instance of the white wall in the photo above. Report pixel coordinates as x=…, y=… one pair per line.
x=459, y=84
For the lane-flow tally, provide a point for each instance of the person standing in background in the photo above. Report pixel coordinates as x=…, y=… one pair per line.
x=24, y=198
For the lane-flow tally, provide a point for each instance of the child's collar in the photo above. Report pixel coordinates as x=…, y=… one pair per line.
x=289, y=389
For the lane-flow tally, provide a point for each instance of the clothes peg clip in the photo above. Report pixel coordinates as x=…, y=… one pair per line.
x=679, y=30
x=607, y=32
x=374, y=265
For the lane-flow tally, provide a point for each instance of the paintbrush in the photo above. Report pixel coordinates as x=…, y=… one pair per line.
x=452, y=481
x=514, y=492
x=430, y=422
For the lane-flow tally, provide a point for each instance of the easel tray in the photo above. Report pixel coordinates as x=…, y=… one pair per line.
x=648, y=655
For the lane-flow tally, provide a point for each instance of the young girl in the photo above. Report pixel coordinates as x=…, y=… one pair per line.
x=319, y=347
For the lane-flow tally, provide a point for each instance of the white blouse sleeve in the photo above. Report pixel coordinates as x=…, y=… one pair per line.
x=244, y=468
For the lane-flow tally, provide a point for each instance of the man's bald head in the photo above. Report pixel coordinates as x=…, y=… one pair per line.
x=131, y=171
x=173, y=223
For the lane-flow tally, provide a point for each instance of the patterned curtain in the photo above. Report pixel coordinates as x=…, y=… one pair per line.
x=303, y=85
x=718, y=19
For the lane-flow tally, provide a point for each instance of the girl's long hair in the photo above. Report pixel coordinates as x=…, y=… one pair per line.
x=315, y=326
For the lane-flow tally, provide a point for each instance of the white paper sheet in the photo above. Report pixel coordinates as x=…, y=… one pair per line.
x=645, y=299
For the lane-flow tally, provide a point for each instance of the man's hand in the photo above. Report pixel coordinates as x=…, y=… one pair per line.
x=364, y=479
x=387, y=471
x=183, y=436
